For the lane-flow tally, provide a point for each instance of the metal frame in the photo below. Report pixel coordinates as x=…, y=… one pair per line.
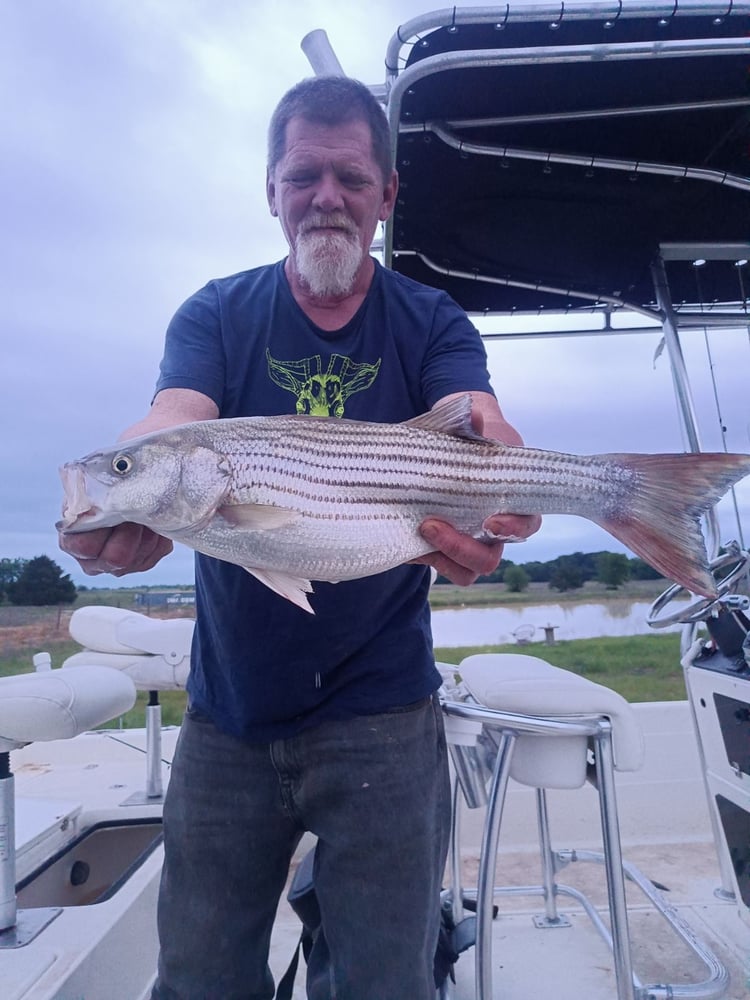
x=399, y=81
x=598, y=729
x=552, y=14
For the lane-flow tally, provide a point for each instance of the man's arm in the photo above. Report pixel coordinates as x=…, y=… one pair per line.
x=460, y=557
x=133, y=548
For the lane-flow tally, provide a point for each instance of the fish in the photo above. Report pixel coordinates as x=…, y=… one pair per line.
x=298, y=498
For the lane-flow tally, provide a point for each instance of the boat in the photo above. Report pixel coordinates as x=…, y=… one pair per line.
x=611, y=140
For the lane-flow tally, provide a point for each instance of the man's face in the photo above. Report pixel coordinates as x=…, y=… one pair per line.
x=329, y=195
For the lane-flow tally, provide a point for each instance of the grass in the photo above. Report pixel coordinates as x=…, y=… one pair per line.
x=638, y=667
x=172, y=709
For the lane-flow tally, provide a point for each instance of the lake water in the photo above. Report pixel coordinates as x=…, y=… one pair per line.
x=483, y=626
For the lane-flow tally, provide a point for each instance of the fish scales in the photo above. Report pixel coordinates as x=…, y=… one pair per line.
x=295, y=498
x=404, y=461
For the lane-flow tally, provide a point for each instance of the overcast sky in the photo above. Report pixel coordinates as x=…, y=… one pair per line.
x=132, y=171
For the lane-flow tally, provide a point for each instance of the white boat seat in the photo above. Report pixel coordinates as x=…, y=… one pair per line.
x=58, y=704
x=527, y=685
x=114, y=630
x=538, y=723
x=154, y=653
x=146, y=671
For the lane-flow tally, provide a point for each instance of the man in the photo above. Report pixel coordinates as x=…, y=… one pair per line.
x=325, y=723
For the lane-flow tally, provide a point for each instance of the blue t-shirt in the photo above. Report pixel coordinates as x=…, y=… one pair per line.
x=263, y=669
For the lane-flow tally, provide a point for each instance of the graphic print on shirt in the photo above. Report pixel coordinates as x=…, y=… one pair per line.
x=322, y=393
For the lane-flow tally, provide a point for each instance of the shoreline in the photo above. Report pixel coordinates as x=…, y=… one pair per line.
x=447, y=597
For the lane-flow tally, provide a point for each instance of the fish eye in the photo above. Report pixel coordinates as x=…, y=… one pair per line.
x=122, y=464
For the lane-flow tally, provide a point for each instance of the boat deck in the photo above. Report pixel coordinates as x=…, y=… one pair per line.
x=570, y=963
x=665, y=830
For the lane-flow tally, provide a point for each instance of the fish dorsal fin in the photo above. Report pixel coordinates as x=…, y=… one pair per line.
x=257, y=516
x=293, y=588
x=450, y=417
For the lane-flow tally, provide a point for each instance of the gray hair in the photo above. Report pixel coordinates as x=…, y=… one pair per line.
x=331, y=100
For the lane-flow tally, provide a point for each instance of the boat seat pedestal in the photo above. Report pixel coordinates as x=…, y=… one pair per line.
x=540, y=725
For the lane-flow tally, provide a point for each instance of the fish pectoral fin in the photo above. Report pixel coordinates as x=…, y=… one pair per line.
x=293, y=588
x=257, y=516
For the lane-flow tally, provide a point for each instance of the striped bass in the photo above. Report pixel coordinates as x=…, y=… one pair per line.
x=298, y=498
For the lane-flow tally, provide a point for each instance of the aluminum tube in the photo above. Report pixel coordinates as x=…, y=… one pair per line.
x=470, y=775
x=457, y=892
x=710, y=989
x=676, y=359
x=544, y=54
x=576, y=116
x=548, y=862
x=613, y=863
x=600, y=162
x=551, y=13
x=682, y=385
x=8, y=903
x=716, y=251
x=320, y=54
x=686, y=320
x=488, y=854
x=534, y=286
x=580, y=726
x=578, y=332
x=154, y=788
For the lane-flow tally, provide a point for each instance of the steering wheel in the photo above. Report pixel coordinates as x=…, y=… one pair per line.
x=698, y=610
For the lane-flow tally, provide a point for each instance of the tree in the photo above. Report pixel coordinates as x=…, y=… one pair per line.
x=496, y=576
x=538, y=572
x=566, y=574
x=41, y=582
x=612, y=569
x=10, y=570
x=640, y=570
x=516, y=579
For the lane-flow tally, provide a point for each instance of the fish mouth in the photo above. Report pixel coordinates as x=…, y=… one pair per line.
x=78, y=508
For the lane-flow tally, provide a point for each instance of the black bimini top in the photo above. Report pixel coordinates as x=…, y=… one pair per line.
x=548, y=151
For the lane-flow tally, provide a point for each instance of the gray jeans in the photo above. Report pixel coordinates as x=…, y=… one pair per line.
x=375, y=792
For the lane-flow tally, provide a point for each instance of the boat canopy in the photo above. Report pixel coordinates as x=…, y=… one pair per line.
x=551, y=154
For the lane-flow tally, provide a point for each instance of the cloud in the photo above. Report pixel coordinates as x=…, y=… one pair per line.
x=134, y=168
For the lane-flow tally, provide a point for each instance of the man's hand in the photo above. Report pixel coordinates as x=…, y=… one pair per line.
x=460, y=557
x=128, y=548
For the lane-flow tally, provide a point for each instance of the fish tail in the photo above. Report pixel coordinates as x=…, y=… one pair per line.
x=661, y=520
